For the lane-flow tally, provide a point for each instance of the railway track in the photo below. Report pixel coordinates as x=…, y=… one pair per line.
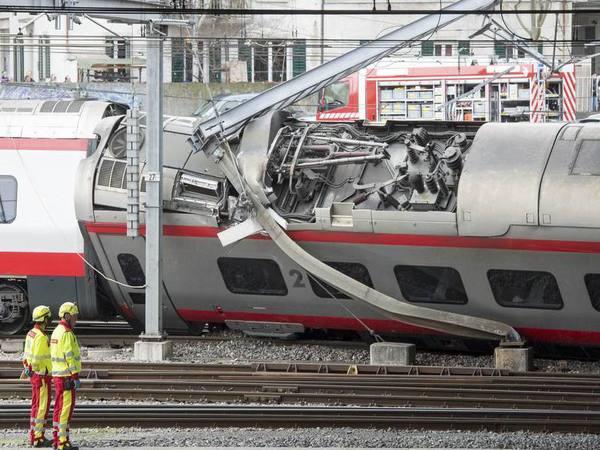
x=499, y=419
x=433, y=397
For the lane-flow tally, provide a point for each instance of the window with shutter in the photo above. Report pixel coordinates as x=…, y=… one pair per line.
x=427, y=48
x=500, y=48
x=299, y=57
x=245, y=54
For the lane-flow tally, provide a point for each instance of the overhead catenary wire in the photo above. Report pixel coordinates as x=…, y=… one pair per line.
x=334, y=47
x=275, y=11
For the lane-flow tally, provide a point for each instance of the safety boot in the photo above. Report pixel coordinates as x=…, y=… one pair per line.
x=42, y=443
x=67, y=446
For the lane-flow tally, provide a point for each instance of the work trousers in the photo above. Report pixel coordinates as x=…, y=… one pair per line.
x=41, y=392
x=63, y=409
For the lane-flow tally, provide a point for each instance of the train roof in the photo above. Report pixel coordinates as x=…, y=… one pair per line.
x=54, y=118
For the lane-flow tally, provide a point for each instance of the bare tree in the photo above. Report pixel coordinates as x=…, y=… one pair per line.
x=536, y=20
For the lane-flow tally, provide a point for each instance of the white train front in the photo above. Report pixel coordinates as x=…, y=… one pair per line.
x=41, y=247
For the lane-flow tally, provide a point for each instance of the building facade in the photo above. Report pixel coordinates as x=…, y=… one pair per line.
x=258, y=48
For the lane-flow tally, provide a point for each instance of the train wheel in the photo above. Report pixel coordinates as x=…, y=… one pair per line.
x=14, y=308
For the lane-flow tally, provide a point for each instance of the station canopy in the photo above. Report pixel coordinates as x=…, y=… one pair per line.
x=101, y=62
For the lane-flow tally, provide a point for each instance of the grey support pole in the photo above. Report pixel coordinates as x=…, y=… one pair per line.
x=153, y=347
x=154, y=159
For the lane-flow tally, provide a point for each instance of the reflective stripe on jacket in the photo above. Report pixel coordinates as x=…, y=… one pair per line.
x=64, y=349
x=37, y=351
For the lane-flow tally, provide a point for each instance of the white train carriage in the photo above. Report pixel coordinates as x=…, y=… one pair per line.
x=41, y=247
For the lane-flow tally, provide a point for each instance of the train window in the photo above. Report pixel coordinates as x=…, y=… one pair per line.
x=252, y=276
x=587, y=159
x=8, y=198
x=132, y=269
x=431, y=284
x=592, y=283
x=525, y=289
x=353, y=270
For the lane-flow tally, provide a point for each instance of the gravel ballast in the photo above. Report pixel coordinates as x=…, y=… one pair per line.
x=238, y=348
x=313, y=437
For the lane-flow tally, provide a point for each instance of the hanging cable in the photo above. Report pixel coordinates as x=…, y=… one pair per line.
x=107, y=278
x=372, y=332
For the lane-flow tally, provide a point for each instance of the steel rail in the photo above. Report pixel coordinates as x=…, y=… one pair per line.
x=238, y=373
x=431, y=418
x=521, y=384
x=243, y=383
x=372, y=396
x=293, y=368
x=321, y=394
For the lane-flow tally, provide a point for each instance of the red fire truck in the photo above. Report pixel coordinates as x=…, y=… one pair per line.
x=508, y=93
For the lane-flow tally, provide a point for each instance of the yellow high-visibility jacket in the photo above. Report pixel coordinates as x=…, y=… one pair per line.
x=64, y=348
x=37, y=351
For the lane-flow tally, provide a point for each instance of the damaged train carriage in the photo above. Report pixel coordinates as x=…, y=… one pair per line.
x=458, y=221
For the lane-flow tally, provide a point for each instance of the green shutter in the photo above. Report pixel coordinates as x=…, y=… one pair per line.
x=464, y=48
x=177, y=59
x=109, y=48
x=299, y=57
x=427, y=48
x=245, y=54
x=19, y=59
x=47, y=58
x=214, y=62
x=500, y=48
x=41, y=66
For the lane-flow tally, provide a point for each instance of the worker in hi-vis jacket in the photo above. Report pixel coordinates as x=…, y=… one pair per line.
x=36, y=361
x=66, y=365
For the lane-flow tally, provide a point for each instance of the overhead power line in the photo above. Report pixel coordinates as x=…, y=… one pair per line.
x=85, y=42
x=284, y=11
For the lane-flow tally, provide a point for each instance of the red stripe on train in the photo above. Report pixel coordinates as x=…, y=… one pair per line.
x=344, y=237
x=572, y=337
x=78, y=145
x=41, y=264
